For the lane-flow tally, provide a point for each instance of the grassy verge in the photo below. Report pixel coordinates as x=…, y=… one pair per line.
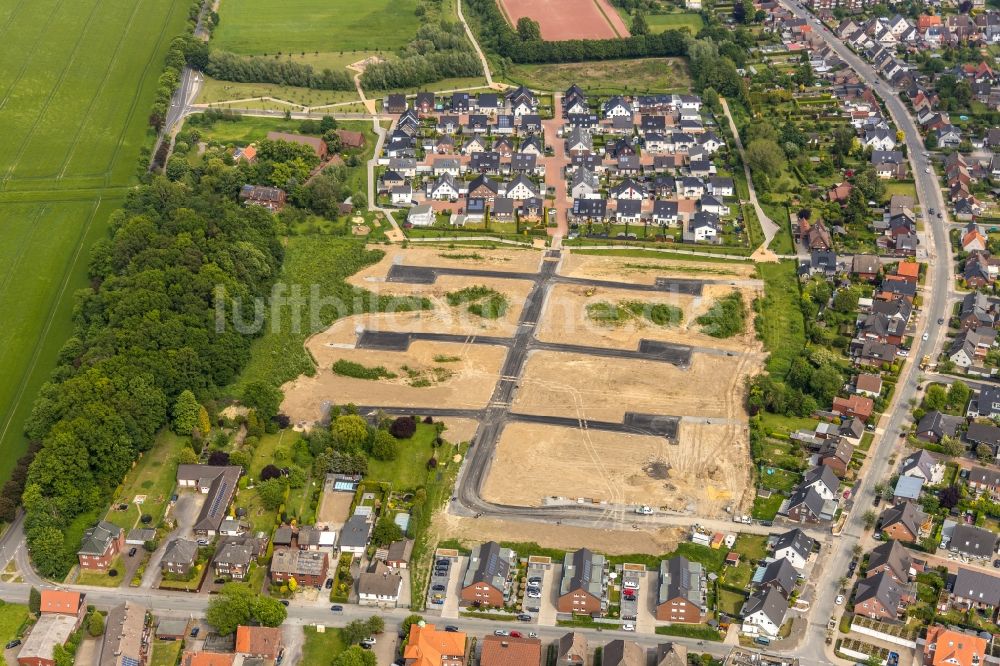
x=103, y=578
x=699, y=631
x=13, y=620
x=347, y=368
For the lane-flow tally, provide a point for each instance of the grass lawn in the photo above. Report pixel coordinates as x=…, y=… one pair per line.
x=692, y=22
x=900, y=187
x=321, y=262
x=730, y=602
x=604, y=77
x=738, y=576
x=295, y=26
x=154, y=476
x=165, y=653
x=699, y=631
x=81, y=77
x=101, y=578
x=321, y=648
x=214, y=90
x=766, y=508
x=786, y=424
x=780, y=324
x=751, y=546
x=408, y=471
x=773, y=478
x=12, y=618
x=710, y=558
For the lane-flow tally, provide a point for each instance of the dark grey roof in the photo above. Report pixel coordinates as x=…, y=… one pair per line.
x=489, y=563
x=983, y=433
x=355, y=532
x=781, y=574
x=770, y=602
x=681, y=578
x=882, y=588
x=797, y=540
x=893, y=555
x=235, y=552
x=977, y=586
x=824, y=474
x=984, y=477
x=906, y=513
x=180, y=551
x=96, y=539
x=972, y=540
x=583, y=570
x=809, y=497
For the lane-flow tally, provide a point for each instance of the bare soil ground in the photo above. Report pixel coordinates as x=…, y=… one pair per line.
x=609, y=541
x=706, y=471
x=459, y=430
x=588, y=22
x=644, y=270
x=466, y=383
x=518, y=261
x=603, y=389
x=564, y=318
x=334, y=508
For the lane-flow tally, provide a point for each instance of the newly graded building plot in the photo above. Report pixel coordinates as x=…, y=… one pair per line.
x=578, y=385
x=706, y=472
x=265, y=26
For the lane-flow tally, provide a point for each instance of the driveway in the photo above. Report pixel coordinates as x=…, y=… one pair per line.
x=648, y=596
x=294, y=637
x=185, y=511
x=551, y=581
x=88, y=652
x=454, y=588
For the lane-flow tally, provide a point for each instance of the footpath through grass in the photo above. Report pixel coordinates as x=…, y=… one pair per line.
x=86, y=75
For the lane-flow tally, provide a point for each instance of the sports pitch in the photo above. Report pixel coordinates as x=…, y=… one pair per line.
x=76, y=83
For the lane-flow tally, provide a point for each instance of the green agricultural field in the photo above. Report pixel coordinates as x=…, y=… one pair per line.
x=76, y=85
x=693, y=23
x=296, y=26
x=605, y=77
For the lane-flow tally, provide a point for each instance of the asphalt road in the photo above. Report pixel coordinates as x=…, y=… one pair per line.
x=935, y=295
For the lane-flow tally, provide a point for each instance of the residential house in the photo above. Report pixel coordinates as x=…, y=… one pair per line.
x=271, y=198
x=903, y=522
x=670, y=654
x=259, y=642
x=702, y=227
x=50, y=630
x=764, y=612
x=623, y=653
x=307, y=567
x=795, y=546
x=868, y=384
x=572, y=649
x=63, y=602
x=583, y=589
x=986, y=403
x=487, y=580
x=421, y=215
x=973, y=541
x=589, y=210
x=880, y=597
x=923, y=465
x=125, y=642
x=100, y=546
x=977, y=310
x=682, y=592
x=970, y=347
x=398, y=554
x=950, y=647
x=219, y=484
x=893, y=559
x=510, y=651
x=521, y=188
x=233, y=559
x=380, y=586
x=984, y=434
x=865, y=267
x=584, y=185
x=780, y=575
x=355, y=533
x=984, y=480
x=317, y=145
x=972, y=589
x=179, y=556
x=806, y=505
x=907, y=488
x=854, y=406
x=665, y=213
x=823, y=479
x=429, y=646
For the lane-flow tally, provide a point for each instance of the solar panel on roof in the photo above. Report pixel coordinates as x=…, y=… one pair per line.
x=129, y=661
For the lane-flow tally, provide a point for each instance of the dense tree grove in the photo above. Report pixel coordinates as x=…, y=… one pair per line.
x=496, y=35
x=146, y=330
x=176, y=58
x=438, y=51
x=231, y=67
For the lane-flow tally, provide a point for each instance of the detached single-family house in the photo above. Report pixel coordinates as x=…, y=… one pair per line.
x=682, y=592
x=764, y=612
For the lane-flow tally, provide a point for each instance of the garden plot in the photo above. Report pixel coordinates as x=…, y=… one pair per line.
x=707, y=470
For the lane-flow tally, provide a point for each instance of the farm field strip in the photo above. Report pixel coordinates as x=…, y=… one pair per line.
x=76, y=81
x=297, y=26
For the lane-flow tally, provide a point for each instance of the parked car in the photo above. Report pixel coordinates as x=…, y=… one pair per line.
x=437, y=602
x=13, y=644
x=195, y=632
x=501, y=632
x=839, y=600
x=132, y=551
x=535, y=580
x=337, y=608
x=452, y=628
x=628, y=626
x=328, y=584
x=515, y=634
x=443, y=562
x=283, y=602
x=631, y=585
x=438, y=588
x=524, y=617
